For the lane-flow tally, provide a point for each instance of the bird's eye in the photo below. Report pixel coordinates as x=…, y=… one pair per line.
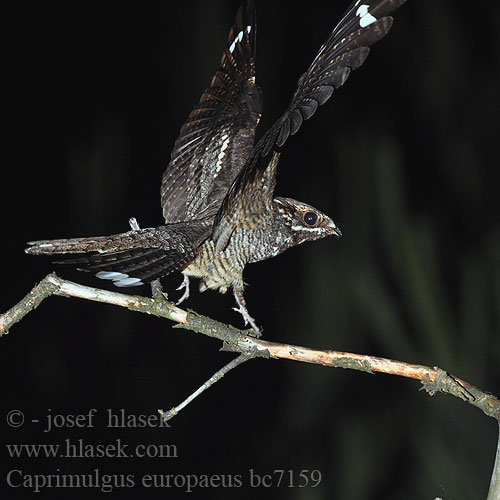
x=310, y=218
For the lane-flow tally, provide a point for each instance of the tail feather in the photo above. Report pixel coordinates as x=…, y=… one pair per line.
x=133, y=258
x=124, y=260
x=73, y=245
x=140, y=272
x=132, y=267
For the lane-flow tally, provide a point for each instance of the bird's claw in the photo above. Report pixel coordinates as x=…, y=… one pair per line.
x=183, y=286
x=246, y=317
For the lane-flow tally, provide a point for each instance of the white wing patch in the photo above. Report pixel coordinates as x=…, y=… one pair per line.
x=365, y=18
x=239, y=38
x=222, y=153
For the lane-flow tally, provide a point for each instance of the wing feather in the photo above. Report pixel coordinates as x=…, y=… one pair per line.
x=346, y=49
x=218, y=137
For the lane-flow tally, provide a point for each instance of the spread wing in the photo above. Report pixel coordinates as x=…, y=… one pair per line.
x=364, y=23
x=217, y=139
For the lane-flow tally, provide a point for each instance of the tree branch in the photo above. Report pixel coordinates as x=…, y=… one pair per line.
x=167, y=415
x=494, y=492
x=433, y=379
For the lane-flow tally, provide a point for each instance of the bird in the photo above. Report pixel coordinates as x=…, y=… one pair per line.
x=217, y=192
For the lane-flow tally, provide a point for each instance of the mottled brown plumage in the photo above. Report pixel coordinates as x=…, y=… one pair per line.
x=217, y=191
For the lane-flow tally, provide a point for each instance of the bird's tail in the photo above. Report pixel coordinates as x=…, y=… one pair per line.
x=133, y=258
x=80, y=245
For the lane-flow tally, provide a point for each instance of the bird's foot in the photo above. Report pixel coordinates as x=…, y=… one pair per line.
x=183, y=286
x=242, y=309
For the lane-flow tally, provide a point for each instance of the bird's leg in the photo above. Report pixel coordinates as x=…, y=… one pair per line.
x=184, y=285
x=242, y=309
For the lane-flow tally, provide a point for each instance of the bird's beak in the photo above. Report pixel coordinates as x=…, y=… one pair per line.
x=334, y=229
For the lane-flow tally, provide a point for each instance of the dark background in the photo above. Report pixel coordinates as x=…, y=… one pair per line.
x=404, y=158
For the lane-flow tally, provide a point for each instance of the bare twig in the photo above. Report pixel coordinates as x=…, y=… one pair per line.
x=433, y=378
x=494, y=493
x=53, y=285
x=167, y=415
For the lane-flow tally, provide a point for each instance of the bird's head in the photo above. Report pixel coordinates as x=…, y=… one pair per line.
x=304, y=222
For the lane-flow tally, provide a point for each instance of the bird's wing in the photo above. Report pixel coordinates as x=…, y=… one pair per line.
x=364, y=23
x=217, y=139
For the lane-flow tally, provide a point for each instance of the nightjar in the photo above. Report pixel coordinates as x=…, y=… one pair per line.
x=217, y=190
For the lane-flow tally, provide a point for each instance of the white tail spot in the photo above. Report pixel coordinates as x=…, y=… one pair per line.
x=128, y=282
x=111, y=275
x=119, y=279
